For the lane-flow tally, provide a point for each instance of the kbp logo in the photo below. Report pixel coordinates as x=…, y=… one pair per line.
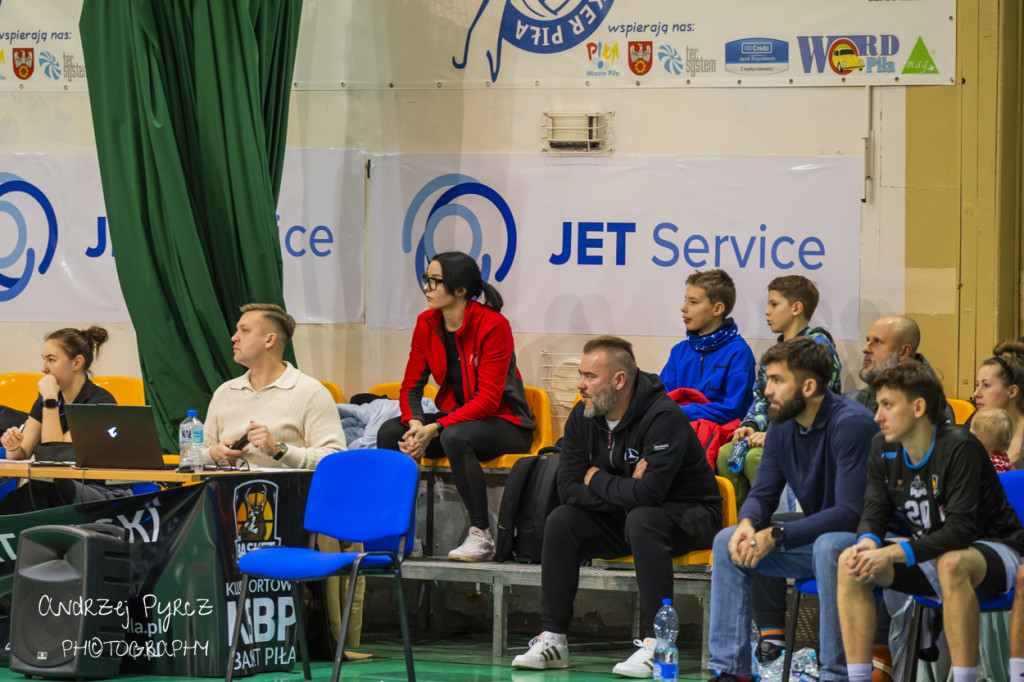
x=454, y=187
x=540, y=26
x=24, y=204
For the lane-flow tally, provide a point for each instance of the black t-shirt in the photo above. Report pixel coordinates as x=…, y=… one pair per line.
x=453, y=375
x=91, y=394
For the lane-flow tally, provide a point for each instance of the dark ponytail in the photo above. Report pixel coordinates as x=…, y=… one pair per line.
x=459, y=271
x=84, y=342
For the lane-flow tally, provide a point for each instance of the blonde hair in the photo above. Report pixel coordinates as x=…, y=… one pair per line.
x=994, y=428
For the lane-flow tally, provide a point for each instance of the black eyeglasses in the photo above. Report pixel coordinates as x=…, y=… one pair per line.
x=224, y=464
x=431, y=282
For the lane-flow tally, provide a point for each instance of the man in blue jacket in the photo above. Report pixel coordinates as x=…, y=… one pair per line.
x=632, y=479
x=818, y=443
x=713, y=358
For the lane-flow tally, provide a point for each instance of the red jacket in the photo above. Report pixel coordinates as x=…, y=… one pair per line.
x=711, y=435
x=491, y=384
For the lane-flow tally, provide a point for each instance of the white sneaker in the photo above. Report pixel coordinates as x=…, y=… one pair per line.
x=547, y=650
x=641, y=664
x=478, y=547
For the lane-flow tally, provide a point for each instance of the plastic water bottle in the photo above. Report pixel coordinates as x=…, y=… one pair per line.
x=190, y=442
x=805, y=666
x=666, y=655
x=738, y=456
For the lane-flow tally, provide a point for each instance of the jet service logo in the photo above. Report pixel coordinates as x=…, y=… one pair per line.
x=539, y=26
x=453, y=187
x=24, y=204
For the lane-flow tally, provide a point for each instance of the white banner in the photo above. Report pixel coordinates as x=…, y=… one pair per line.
x=56, y=263
x=383, y=44
x=40, y=48
x=595, y=246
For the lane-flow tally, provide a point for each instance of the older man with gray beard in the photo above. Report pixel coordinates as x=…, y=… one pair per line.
x=890, y=340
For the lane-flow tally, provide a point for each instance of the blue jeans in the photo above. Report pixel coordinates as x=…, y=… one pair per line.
x=732, y=600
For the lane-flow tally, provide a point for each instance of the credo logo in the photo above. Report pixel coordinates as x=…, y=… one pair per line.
x=540, y=26
x=455, y=186
x=23, y=203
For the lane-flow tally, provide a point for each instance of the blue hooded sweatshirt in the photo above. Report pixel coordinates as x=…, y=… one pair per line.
x=720, y=365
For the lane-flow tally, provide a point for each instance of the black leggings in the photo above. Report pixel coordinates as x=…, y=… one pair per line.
x=466, y=444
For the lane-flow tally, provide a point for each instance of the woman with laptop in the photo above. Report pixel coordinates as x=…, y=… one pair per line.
x=67, y=356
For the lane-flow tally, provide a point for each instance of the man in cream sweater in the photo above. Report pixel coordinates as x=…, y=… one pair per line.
x=289, y=418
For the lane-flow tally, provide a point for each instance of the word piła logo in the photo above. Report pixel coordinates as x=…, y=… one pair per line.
x=26, y=206
x=471, y=194
x=255, y=505
x=539, y=26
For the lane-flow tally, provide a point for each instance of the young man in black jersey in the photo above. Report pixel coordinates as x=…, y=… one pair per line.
x=960, y=548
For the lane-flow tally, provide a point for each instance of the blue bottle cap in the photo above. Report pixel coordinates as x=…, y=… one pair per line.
x=191, y=413
x=666, y=602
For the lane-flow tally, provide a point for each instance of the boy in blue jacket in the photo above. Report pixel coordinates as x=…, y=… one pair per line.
x=713, y=358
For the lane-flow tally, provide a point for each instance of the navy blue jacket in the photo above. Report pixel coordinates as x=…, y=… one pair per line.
x=825, y=465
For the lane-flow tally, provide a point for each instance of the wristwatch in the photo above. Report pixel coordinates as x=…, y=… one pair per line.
x=282, y=450
x=778, y=534
x=51, y=403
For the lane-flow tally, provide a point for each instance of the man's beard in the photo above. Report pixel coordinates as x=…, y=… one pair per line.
x=787, y=410
x=599, y=404
x=868, y=375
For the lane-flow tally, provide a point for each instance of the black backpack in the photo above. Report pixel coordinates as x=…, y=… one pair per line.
x=530, y=494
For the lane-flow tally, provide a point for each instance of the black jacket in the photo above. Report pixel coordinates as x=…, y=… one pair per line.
x=951, y=499
x=653, y=428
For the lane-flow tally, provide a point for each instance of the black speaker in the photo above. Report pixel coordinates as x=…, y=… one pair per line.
x=70, y=601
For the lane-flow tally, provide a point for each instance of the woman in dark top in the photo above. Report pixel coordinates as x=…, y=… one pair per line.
x=67, y=356
x=467, y=347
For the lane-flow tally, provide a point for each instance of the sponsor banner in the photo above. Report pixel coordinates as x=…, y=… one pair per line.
x=613, y=43
x=177, y=620
x=595, y=246
x=57, y=262
x=40, y=48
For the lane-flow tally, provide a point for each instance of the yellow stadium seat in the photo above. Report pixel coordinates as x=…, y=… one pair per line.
x=19, y=390
x=126, y=390
x=961, y=409
x=701, y=557
x=393, y=389
x=540, y=405
x=335, y=390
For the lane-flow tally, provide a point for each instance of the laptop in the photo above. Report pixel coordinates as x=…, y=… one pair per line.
x=115, y=437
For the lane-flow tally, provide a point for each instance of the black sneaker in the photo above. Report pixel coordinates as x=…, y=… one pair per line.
x=768, y=651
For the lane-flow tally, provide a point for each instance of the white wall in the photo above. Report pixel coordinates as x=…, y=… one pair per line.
x=664, y=121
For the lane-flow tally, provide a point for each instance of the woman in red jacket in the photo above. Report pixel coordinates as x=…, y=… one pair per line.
x=467, y=347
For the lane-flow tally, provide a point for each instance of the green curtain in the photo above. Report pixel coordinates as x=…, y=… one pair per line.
x=190, y=106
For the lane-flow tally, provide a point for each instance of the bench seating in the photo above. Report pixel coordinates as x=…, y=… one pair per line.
x=503, y=576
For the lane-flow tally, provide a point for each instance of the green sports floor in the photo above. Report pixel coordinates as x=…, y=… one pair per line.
x=463, y=659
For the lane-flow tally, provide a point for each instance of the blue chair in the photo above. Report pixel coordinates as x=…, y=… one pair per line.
x=1013, y=486
x=801, y=586
x=358, y=496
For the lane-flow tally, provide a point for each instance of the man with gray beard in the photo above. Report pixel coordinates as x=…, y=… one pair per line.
x=890, y=340
x=632, y=479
